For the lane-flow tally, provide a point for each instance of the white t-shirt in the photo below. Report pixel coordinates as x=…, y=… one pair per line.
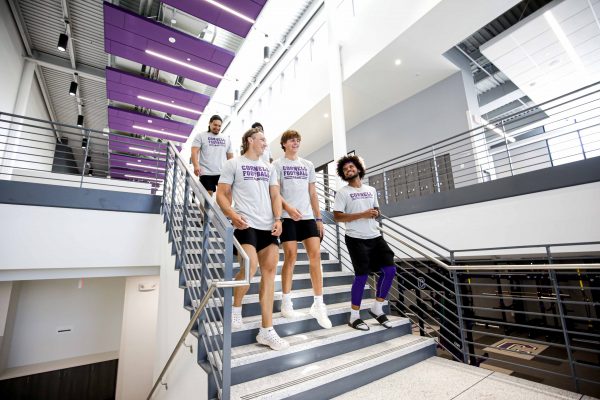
x=213, y=151
x=352, y=200
x=294, y=177
x=266, y=156
x=250, y=181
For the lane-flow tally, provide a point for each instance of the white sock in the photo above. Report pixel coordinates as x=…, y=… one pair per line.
x=265, y=330
x=286, y=298
x=318, y=299
x=354, y=315
x=377, y=307
x=236, y=310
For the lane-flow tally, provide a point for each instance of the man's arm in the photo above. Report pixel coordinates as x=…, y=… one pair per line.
x=339, y=216
x=224, y=197
x=314, y=203
x=292, y=211
x=276, y=205
x=195, y=151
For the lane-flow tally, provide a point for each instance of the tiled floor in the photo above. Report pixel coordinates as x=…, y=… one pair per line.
x=440, y=379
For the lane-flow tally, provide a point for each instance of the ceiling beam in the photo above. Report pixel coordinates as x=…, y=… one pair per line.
x=61, y=64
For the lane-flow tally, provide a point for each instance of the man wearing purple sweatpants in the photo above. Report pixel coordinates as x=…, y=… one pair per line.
x=356, y=205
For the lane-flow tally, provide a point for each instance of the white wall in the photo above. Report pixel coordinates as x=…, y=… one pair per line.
x=556, y=216
x=93, y=312
x=10, y=54
x=138, y=338
x=47, y=237
x=185, y=378
x=427, y=117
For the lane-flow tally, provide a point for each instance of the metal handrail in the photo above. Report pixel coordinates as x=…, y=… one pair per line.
x=222, y=224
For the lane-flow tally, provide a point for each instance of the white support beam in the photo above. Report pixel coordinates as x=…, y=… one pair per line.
x=60, y=64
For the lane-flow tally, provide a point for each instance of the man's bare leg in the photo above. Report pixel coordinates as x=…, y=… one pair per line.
x=318, y=310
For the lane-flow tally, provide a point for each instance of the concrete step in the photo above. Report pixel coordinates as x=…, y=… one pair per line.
x=253, y=361
x=326, y=378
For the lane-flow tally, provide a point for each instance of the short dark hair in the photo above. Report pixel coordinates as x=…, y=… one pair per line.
x=258, y=125
x=356, y=160
x=287, y=135
x=213, y=118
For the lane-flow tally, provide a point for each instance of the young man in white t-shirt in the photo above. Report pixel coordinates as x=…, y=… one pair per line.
x=356, y=204
x=302, y=222
x=252, y=186
x=209, y=151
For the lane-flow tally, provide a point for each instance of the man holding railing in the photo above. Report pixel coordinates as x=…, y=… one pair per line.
x=356, y=204
x=209, y=151
x=252, y=186
x=302, y=222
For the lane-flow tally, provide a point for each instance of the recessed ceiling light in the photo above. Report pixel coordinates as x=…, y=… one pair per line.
x=143, y=166
x=149, y=121
x=173, y=21
x=143, y=128
x=326, y=115
x=173, y=101
x=397, y=61
x=183, y=64
x=164, y=103
x=231, y=11
x=172, y=39
x=188, y=59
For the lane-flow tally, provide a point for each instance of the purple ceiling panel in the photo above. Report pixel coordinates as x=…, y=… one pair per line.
x=125, y=87
x=130, y=36
x=120, y=173
x=137, y=164
x=223, y=19
x=132, y=145
x=141, y=124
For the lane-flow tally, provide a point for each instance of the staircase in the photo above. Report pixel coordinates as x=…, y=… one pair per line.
x=316, y=357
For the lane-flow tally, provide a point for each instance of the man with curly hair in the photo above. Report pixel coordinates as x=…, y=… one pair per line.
x=356, y=205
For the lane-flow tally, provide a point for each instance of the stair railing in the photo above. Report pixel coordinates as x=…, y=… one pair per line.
x=203, y=243
x=448, y=298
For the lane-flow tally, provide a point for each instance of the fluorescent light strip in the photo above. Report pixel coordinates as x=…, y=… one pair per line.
x=146, y=178
x=143, y=128
x=143, y=166
x=184, y=64
x=164, y=103
x=230, y=11
x=498, y=131
x=564, y=40
x=146, y=150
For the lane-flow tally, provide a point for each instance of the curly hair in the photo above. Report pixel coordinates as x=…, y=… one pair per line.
x=356, y=160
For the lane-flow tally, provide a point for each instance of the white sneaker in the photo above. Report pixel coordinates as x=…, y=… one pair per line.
x=319, y=312
x=287, y=311
x=271, y=338
x=237, y=323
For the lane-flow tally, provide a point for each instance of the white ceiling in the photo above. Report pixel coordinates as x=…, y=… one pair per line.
x=534, y=58
x=380, y=84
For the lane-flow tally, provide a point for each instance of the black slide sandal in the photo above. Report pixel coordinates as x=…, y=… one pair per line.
x=359, y=325
x=382, y=319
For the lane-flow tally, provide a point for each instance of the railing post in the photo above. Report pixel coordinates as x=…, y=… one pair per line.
x=163, y=198
x=205, y=246
x=173, y=189
x=459, y=312
x=227, y=306
x=338, y=242
x=561, y=313
x=435, y=168
x=89, y=139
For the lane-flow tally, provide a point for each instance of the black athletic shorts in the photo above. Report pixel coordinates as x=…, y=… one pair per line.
x=258, y=238
x=210, y=182
x=297, y=231
x=369, y=255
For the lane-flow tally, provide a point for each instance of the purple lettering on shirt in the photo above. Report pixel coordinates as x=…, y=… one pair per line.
x=216, y=141
x=295, y=172
x=361, y=195
x=255, y=173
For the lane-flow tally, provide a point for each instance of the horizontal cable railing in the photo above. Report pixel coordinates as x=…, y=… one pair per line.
x=40, y=151
x=536, y=314
x=556, y=132
x=203, y=243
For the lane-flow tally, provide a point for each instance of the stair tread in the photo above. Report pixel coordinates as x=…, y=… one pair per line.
x=254, y=321
x=247, y=354
x=304, y=378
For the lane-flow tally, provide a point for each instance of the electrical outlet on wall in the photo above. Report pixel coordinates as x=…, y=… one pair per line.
x=146, y=287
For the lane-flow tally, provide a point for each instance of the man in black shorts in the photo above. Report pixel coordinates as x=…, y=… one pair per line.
x=356, y=204
x=301, y=223
x=209, y=151
x=252, y=186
